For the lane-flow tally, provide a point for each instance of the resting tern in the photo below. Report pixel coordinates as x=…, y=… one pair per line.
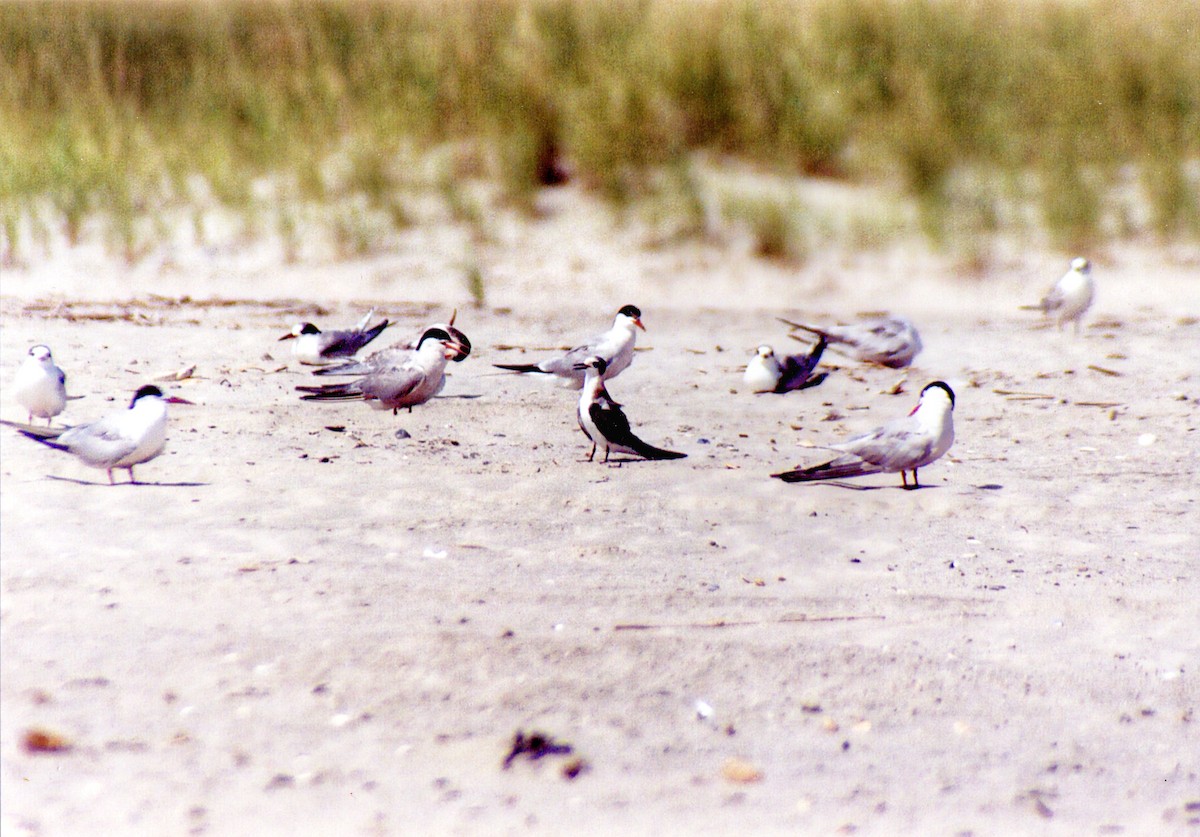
x=614, y=346
x=1071, y=296
x=767, y=372
x=121, y=440
x=891, y=341
x=602, y=420
x=902, y=445
x=39, y=386
x=314, y=347
x=413, y=382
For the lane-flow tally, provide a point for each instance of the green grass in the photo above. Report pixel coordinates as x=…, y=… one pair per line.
x=111, y=110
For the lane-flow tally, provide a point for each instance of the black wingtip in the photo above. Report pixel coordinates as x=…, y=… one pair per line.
x=667, y=454
x=48, y=441
x=375, y=330
x=789, y=476
x=519, y=367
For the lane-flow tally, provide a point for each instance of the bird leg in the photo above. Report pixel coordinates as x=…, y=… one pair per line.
x=111, y=481
x=593, y=453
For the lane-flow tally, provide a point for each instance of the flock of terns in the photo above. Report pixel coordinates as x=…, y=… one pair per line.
x=411, y=372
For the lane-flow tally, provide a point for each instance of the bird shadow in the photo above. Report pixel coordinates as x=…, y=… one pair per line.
x=136, y=482
x=849, y=486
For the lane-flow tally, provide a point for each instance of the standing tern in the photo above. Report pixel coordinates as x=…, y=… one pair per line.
x=314, y=347
x=414, y=381
x=602, y=420
x=120, y=440
x=39, y=386
x=614, y=346
x=766, y=372
x=1071, y=296
x=891, y=341
x=902, y=445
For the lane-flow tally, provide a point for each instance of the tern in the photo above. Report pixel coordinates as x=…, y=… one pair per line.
x=902, y=445
x=614, y=347
x=121, y=440
x=39, y=386
x=767, y=372
x=399, y=353
x=602, y=420
x=891, y=341
x=314, y=347
x=414, y=381
x=1071, y=296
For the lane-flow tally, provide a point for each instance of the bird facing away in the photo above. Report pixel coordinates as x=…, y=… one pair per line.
x=614, y=347
x=413, y=381
x=903, y=445
x=39, y=386
x=314, y=347
x=1071, y=296
x=767, y=372
x=602, y=420
x=119, y=440
x=891, y=341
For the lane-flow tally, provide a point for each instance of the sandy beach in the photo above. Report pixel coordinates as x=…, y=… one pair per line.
x=303, y=624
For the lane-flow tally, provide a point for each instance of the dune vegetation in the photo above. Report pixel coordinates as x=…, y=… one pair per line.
x=1081, y=119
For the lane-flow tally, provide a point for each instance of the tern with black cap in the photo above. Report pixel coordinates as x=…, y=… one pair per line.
x=314, y=347
x=903, y=445
x=614, y=346
x=120, y=440
x=412, y=382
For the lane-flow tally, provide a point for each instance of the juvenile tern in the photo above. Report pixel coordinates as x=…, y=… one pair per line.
x=1071, y=296
x=414, y=381
x=614, y=346
x=39, y=386
x=902, y=445
x=314, y=347
x=891, y=341
x=602, y=420
x=767, y=372
x=120, y=440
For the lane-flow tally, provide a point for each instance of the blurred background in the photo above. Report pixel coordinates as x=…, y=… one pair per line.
x=331, y=127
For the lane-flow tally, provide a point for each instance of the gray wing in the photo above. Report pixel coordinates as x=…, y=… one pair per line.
x=392, y=386
x=392, y=357
x=893, y=447
x=1053, y=300
x=98, y=444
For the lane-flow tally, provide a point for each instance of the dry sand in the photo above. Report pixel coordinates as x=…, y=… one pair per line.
x=293, y=630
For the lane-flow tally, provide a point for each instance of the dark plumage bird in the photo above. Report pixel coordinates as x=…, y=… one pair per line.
x=314, y=347
x=767, y=372
x=602, y=420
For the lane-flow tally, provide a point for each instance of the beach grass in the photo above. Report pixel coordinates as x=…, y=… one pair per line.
x=113, y=112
